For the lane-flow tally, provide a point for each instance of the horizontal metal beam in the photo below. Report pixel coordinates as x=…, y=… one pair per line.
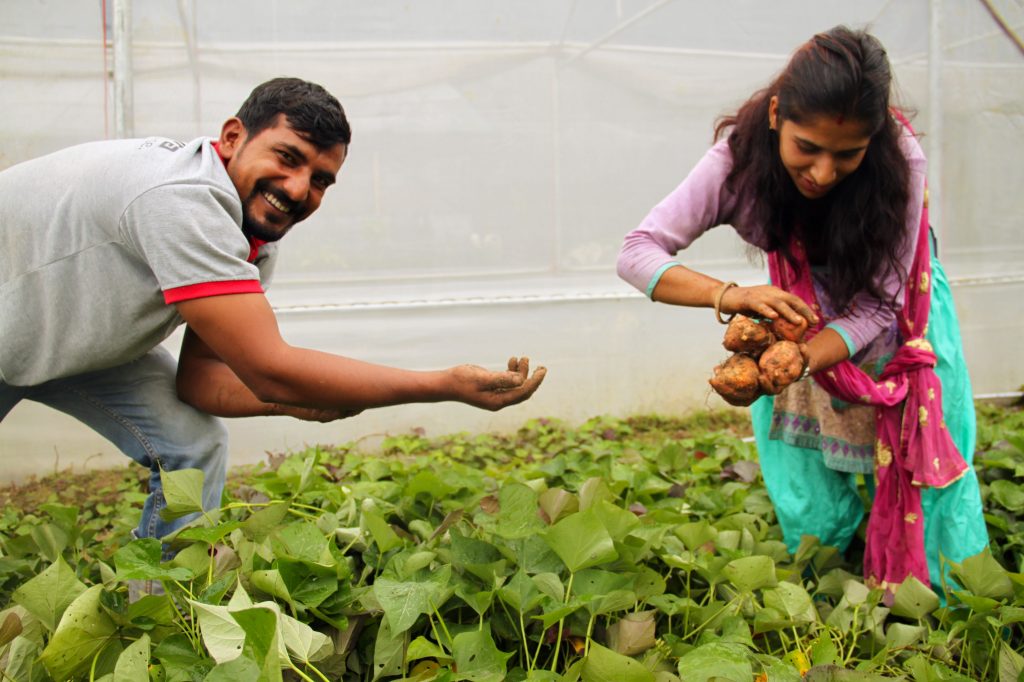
x=546, y=298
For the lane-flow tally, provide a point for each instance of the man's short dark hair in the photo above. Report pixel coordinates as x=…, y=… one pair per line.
x=311, y=111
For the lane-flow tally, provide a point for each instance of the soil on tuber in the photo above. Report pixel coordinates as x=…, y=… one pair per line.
x=781, y=365
x=784, y=329
x=767, y=357
x=745, y=335
x=737, y=380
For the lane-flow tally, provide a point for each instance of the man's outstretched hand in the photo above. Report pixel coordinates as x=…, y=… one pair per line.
x=470, y=384
x=489, y=390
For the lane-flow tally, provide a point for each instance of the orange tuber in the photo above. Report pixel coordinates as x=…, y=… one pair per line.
x=784, y=329
x=780, y=365
x=737, y=380
x=744, y=335
x=767, y=357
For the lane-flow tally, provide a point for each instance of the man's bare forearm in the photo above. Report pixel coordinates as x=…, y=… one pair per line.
x=240, y=333
x=218, y=391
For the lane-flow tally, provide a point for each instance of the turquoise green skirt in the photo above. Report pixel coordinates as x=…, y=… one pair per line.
x=811, y=499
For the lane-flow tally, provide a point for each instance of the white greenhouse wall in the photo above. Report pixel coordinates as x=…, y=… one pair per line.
x=501, y=151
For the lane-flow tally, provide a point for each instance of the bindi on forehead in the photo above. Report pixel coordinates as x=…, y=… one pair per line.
x=839, y=119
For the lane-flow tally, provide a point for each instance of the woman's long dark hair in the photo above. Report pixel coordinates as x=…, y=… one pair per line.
x=858, y=226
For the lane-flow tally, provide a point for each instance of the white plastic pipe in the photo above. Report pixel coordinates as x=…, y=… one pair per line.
x=187, y=16
x=935, y=118
x=124, y=115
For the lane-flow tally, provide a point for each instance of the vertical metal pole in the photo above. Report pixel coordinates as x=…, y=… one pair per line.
x=124, y=115
x=935, y=117
x=556, y=170
x=187, y=15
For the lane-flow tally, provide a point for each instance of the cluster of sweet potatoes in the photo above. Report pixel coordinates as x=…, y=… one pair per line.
x=767, y=357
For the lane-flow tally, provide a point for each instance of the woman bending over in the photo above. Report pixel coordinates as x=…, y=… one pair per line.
x=822, y=175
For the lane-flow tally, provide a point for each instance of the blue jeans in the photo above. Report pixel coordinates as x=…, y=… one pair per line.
x=135, y=406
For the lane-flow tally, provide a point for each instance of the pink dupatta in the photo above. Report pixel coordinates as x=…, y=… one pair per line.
x=914, y=448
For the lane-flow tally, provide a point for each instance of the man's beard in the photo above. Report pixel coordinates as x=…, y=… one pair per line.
x=266, y=232
x=254, y=229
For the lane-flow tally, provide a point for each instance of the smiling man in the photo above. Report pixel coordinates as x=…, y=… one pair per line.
x=106, y=247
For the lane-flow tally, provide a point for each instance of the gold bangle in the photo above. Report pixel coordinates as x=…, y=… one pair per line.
x=718, y=302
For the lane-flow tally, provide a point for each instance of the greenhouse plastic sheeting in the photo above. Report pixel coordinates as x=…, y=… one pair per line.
x=501, y=150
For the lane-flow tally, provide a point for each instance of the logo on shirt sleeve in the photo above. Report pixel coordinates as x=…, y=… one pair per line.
x=162, y=143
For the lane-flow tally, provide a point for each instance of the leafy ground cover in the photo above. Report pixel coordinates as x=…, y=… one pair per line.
x=620, y=550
